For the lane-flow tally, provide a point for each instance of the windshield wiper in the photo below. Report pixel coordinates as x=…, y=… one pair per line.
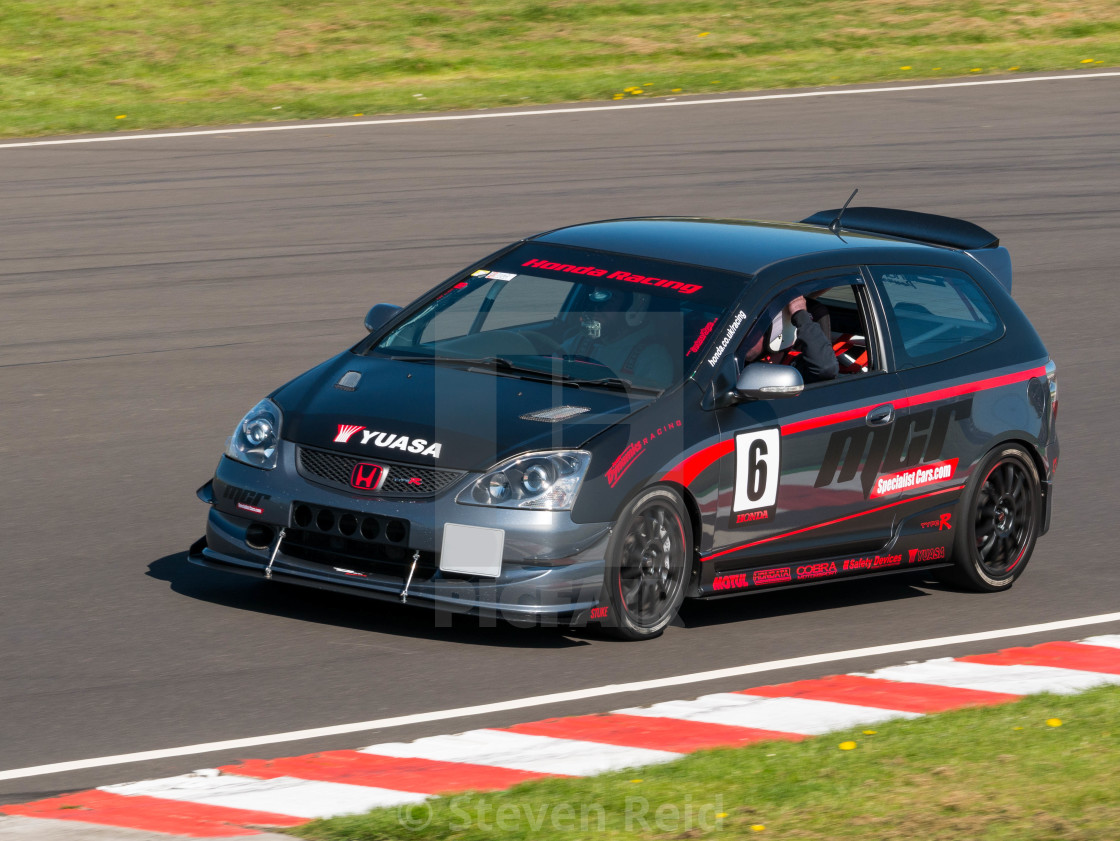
x=614, y=383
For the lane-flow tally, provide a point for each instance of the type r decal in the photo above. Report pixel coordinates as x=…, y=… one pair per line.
x=757, y=470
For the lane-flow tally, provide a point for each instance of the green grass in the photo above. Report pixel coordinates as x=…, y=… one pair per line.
x=97, y=65
x=999, y=773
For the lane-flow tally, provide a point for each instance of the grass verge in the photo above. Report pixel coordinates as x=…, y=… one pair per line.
x=102, y=65
x=1042, y=768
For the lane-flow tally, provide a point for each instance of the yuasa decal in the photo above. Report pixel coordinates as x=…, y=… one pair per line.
x=705, y=331
x=915, y=477
x=366, y=476
x=246, y=500
x=872, y=562
x=893, y=449
x=634, y=449
x=772, y=576
x=730, y=582
x=599, y=612
x=628, y=277
x=732, y=329
x=920, y=556
x=943, y=523
x=816, y=571
x=757, y=469
x=346, y=432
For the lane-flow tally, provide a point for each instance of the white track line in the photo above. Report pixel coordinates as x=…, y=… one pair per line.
x=523, y=752
x=556, y=697
x=114, y=138
x=788, y=715
x=280, y=795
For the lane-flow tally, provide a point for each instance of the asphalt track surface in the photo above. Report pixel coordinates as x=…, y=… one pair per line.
x=152, y=291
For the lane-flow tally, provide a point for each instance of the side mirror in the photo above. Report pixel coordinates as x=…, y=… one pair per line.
x=764, y=381
x=379, y=315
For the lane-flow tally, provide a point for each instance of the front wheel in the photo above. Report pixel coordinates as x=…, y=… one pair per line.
x=1001, y=519
x=648, y=564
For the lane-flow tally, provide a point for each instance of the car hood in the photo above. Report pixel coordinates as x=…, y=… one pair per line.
x=436, y=415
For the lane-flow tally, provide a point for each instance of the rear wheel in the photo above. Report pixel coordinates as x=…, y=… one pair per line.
x=648, y=564
x=1002, y=514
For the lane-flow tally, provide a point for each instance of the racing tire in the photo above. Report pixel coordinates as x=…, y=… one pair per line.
x=1000, y=521
x=648, y=565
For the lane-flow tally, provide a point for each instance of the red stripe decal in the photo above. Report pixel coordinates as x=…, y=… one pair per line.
x=831, y=522
x=639, y=731
x=916, y=400
x=153, y=814
x=883, y=694
x=685, y=472
x=399, y=774
x=1062, y=655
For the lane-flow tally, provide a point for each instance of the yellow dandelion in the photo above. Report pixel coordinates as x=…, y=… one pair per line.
x=1053, y=722
x=757, y=827
x=1016, y=728
x=937, y=68
x=618, y=96
x=676, y=90
x=722, y=815
x=975, y=69
x=121, y=116
x=357, y=115
x=1016, y=67
x=1086, y=61
x=703, y=34
x=716, y=82
x=870, y=732
x=847, y=746
x=906, y=67
x=636, y=781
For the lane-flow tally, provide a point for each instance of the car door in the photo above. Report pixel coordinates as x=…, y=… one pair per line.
x=937, y=318
x=796, y=482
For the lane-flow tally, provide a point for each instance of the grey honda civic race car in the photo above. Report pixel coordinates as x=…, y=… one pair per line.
x=595, y=423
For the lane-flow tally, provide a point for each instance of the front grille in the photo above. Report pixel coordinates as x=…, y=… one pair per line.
x=351, y=541
x=334, y=469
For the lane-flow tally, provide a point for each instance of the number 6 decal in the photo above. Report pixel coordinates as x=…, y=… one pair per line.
x=757, y=469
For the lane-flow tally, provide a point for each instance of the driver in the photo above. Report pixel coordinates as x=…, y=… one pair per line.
x=614, y=332
x=799, y=330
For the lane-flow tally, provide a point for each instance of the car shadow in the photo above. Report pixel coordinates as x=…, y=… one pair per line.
x=323, y=607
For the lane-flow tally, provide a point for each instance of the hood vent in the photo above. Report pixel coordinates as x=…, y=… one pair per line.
x=349, y=381
x=557, y=414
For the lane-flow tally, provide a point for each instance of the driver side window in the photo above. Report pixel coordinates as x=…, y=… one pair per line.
x=819, y=327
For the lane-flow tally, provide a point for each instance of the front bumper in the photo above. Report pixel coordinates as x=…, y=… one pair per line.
x=552, y=568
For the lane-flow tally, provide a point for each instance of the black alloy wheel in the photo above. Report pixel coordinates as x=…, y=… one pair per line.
x=1001, y=522
x=648, y=564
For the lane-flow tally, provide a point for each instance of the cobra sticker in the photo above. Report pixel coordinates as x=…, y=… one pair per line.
x=757, y=470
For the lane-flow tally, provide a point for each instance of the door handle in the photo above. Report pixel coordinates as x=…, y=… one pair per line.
x=880, y=415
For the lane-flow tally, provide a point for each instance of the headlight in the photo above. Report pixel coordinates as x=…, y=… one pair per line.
x=257, y=436
x=541, y=481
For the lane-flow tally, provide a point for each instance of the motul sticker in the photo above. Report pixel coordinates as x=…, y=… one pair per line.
x=915, y=477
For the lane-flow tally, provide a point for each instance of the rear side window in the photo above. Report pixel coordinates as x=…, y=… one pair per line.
x=935, y=313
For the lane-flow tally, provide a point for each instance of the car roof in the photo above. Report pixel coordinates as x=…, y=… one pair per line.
x=737, y=245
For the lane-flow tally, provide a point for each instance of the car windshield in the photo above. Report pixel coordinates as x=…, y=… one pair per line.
x=585, y=318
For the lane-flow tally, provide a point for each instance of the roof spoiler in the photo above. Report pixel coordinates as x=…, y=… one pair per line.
x=981, y=245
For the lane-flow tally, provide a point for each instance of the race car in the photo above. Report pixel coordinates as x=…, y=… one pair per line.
x=594, y=423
